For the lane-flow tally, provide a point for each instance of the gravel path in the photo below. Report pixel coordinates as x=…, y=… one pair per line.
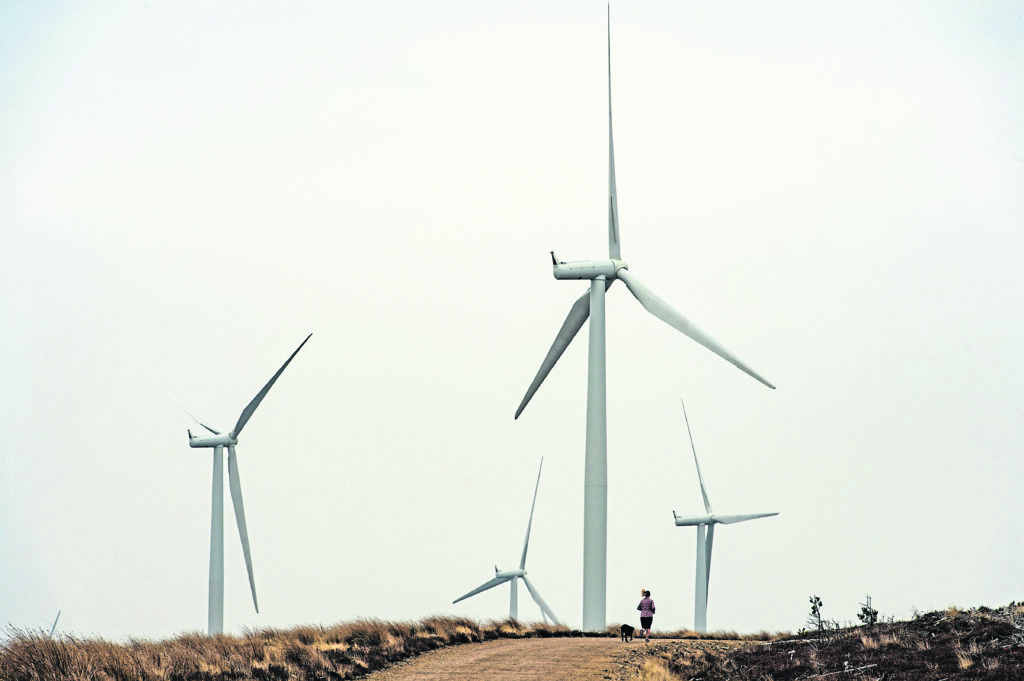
x=548, y=659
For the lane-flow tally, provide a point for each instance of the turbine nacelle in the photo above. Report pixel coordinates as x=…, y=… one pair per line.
x=508, y=574
x=222, y=440
x=690, y=521
x=586, y=269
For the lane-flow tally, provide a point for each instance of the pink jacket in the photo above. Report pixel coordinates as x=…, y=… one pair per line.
x=646, y=608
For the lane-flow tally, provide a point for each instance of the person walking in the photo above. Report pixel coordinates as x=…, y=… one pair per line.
x=646, y=609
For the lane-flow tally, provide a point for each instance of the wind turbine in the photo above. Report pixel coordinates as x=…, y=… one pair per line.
x=54, y=627
x=602, y=274
x=703, y=576
x=215, y=620
x=513, y=576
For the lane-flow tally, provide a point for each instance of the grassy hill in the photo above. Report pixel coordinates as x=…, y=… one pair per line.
x=342, y=651
x=946, y=645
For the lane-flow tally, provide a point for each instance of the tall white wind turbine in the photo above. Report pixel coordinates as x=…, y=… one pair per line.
x=708, y=522
x=215, y=621
x=602, y=274
x=513, y=576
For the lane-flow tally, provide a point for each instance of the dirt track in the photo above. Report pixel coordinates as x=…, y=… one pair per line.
x=549, y=659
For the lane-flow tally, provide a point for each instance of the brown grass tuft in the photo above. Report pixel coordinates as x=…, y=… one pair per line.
x=655, y=670
x=892, y=639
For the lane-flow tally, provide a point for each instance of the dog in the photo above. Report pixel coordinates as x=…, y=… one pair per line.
x=626, y=632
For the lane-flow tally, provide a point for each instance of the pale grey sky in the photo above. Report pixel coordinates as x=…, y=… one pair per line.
x=833, y=191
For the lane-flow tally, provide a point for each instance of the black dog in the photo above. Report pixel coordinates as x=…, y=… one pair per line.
x=627, y=632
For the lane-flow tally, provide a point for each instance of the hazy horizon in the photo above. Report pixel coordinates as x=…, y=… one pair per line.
x=186, y=191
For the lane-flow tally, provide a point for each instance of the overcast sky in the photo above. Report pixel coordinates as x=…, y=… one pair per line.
x=186, y=190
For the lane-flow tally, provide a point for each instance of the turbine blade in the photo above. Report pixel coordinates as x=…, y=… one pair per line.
x=570, y=327
x=251, y=407
x=540, y=601
x=660, y=309
x=700, y=476
x=54, y=627
x=614, y=248
x=236, y=499
x=200, y=421
x=526, y=542
x=489, y=584
x=732, y=519
x=180, y=403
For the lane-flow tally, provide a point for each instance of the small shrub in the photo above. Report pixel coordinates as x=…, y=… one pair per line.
x=821, y=627
x=867, y=615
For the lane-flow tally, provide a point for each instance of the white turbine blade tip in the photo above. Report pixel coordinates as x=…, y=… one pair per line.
x=742, y=517
x=235, y=484
x=700, y=475
x=490, y=584
x=663, y=311
x=529, y=525
x=255, y=402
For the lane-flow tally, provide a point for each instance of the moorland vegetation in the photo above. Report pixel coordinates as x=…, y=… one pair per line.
x=945, y=645
x=951, y=645
x=341, y=651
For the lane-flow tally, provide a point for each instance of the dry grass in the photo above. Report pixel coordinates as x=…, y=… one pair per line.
x=892, y=639
x=341, y=651
x=655, y=670
x=883, y=640
x=949, y=645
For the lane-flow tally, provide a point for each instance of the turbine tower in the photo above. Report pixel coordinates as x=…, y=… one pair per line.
x=513, y=576
x=708, y=522
x=215, y=620
x=602, y=274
